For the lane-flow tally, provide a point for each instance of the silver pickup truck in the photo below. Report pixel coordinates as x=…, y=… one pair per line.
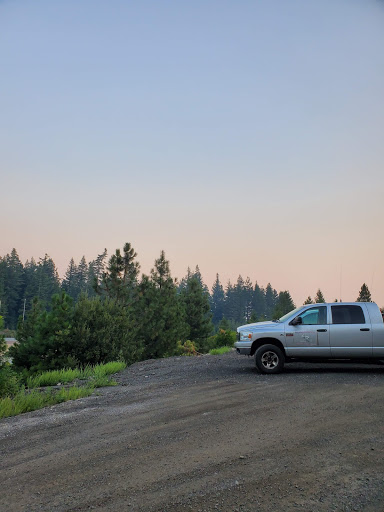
x=341, y=330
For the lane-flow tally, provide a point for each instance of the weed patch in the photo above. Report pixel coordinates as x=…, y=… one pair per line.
x=27, y=401
x=220, y=351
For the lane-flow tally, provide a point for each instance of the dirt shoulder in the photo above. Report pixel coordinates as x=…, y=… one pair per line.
x=204, y=434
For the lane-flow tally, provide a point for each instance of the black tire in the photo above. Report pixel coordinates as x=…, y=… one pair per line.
x=269, y=359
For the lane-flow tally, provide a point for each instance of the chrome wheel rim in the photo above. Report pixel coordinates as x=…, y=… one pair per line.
x=269, y=360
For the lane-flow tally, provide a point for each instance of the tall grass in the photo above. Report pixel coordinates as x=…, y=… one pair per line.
x=220, y=351
x=66, y=375
x=26, y=401
x=54, y=377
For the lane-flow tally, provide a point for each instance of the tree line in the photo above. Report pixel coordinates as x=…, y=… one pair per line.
x=237, y=303
x=20, y=283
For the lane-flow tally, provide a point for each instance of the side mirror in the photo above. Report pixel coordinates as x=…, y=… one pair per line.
x=297, y=321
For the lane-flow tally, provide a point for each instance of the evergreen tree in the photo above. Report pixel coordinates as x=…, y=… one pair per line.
x=224, y=324
x=271, y=298
x=308, y=300
x=238, y=301
x=81, y=277
x=258, y=302
x=13, y=283
x=217, y=301
x=47, y=347
x=103, y=330
x=3, y=302
x=184, y=281
x=198, y=314
x=284, y=305
x=253, y=318
x=96, y=268
x=198, y=276
x=164, y=317
x=319, y=297
x=120, y=279
x=3, y=344
x=48, y=282
x=247, y=295
x=69, y=283
x=31, y=283
x=26, y=329
x=364, y=295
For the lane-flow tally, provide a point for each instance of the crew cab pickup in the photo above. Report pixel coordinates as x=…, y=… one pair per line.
x=340, y=330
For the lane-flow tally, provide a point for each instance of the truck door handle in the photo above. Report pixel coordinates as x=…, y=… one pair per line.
x=321, y=330
x=365, y=329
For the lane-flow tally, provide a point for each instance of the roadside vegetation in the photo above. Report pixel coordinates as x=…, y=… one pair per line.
x=220, y=351
x=21, y=393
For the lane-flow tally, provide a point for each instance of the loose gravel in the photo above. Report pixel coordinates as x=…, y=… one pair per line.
x=204, y=434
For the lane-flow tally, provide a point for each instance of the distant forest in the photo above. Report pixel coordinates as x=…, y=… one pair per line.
x=230, y=306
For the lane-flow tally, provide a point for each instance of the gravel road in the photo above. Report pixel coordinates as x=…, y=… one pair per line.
x=206, y=433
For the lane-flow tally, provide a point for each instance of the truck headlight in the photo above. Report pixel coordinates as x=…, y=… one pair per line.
x=245, y=335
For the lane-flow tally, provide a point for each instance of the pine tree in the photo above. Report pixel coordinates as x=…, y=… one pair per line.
x=248, y=299
x=258, y=302
x=3, y=302
x=198, y=276
x=271, y=298
x=96, y=268
x=13, y=284
x=120, y=279
x=284, y=304
x=217, y=301
x=48, y=282
x=81, y=277
x=229, y=303
x=164, y=317
x=319, y=297
x=103, y=330
x=184, y=281
x=31, y=283
x=308, y=300
x=46, y=343
x=69, y=283
x=364, y=295
x=198, y=314
x=26, y=329
x=3, y=344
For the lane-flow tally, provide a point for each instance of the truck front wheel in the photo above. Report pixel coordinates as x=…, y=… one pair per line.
x=269, y=359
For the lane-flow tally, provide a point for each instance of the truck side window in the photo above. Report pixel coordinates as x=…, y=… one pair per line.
x=314, y=316
x=347, y=315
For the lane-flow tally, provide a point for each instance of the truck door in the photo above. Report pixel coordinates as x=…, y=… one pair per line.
x=350, y=331
x=311, y=337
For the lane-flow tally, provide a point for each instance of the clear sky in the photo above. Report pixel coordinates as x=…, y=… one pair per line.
x=243, y=136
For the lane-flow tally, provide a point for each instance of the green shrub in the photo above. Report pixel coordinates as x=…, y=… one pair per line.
x=187, y=348
x=221, y=339
x=9, y=381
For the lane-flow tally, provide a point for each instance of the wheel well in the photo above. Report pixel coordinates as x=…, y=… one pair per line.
x=266, y=341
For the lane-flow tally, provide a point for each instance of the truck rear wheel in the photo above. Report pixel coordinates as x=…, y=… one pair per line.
x=269, y=359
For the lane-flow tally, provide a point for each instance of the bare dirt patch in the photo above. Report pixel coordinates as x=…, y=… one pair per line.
x=204, y=434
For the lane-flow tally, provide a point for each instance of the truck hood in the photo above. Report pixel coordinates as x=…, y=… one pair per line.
x=261, y=326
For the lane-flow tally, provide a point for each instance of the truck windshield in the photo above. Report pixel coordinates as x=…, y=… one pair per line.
x=288, y=315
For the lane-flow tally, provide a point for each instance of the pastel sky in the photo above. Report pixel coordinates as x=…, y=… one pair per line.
x=243, y=136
